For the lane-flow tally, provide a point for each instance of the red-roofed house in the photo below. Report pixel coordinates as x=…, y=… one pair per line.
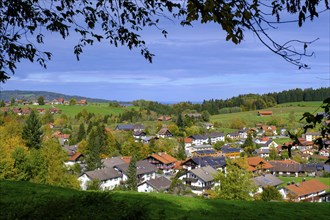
x=265, y=113
x=162, y=160
x=308, y=191
x=258, y=164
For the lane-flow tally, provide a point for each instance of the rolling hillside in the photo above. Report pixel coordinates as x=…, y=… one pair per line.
x=23, y=200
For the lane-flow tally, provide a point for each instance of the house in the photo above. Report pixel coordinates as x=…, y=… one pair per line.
x=188, y=142
x=139, y=135
x=311, y=136
x=198, y=139
x=230, y=152
x=62, y=138
x=266, y=180
x=233, y=135
x=75, y=158
x=268, y=130
x=58, y=101
x=262, y=152
x=113, y=161
x=160, y=184
x=109, y=178
x=164, y=118
x=144, y=170
x=82, y=102
x=194, y=115
x=270, y=143
x=258, y=164
x=162, y=161
x=130, y=127
x=190, y=150
x=202, y=153
x=164, y=133
x=200, y=179
x=54, y=111
x=308, y=191
x=218, y=163
x=292, y=168
x=265, y=113
x=208, y=126
x=215, y=137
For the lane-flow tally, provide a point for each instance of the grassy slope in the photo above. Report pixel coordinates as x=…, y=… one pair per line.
x=23, y=200
x=281, y=111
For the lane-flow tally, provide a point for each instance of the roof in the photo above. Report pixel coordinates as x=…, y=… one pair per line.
x=160, y=183
x=201, y=152
x=142, y=167
x=204, y=173
x=307, y=187
x=227, y=149
x=164, y=158
x=216, y=134
x=198, y=137
x=164, y=118
x=215, y=162
x=128, y=127
x=265, y=112
x=164, y=131
x=291, y=166
x=75, y=157
x=111, y=162
x=256, y=163
x=188, y=140
x=267, y=180
x=103, y=174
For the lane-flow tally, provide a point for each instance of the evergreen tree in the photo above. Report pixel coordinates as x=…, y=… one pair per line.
x=249, y=146
x=31, y=131
x=93, y=150
x=181, y=153
x=179, y=122
x=81, y=133
x=131, y=182
x=2, y=103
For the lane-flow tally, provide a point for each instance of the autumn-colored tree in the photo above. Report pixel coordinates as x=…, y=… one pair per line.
x=271, y=193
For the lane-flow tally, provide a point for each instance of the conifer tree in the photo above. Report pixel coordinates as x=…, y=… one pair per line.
x=179, y=122
x=93, y=150
x=81, y=133
x=31, y=131
x=131, y=182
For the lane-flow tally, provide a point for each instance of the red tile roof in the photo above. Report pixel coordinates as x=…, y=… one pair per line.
x=257, y=163
x=188, y=140
x=75, y=156
x=164, y=158
x=307, y=187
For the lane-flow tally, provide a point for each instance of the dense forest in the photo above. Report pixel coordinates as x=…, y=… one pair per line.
x=239, y=103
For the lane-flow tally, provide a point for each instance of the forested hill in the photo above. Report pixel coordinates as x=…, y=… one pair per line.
x=7, y=95
x=256, y=101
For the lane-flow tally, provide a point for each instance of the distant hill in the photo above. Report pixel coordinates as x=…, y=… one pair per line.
x=7, y=95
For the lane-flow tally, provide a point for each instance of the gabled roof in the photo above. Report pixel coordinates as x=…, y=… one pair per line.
x=307, y=187
x=128, y=127
x=142, y=167
x=267, y=180
x=103, y=174
x=216, y=134
x=188, y=140
x=215, y=162
x=160, y=183
x=203, y=152
x=227, y=149
x=164, y=131
x=75, y=157
x=198, y=137
x=255, y=163
x=204, y=173
x=164, y=158
x=111, y=162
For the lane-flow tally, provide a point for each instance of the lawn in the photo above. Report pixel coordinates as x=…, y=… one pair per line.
x=325, y=180
x=22, y=200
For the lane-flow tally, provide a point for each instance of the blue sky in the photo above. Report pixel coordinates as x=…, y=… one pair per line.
x=191, y=64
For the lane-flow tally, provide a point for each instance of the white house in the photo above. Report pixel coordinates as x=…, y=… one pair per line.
x=200, y=179
x=190, y=150
x=216, y=136
x=198, y=139
x=108, y=177
x=160, y=184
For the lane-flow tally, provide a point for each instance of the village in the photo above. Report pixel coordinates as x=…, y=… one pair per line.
x=206, y=154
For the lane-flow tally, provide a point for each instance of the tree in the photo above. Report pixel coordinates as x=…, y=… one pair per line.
x=235, y=184
x=93, y=150
x=2, y=104
x=271, y=193
x=41, y=100
x=179, y=122
x=249, y=146
x=73, y=101
x=119, y=22
x=81, y=133
x=131, y=182
x=48, y=117
x=31, y=133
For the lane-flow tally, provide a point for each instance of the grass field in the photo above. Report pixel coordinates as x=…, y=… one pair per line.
x=281, y=112
x=22, y=200
x=325, y=180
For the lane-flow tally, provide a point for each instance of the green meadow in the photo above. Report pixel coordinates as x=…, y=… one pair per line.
x=23, y=200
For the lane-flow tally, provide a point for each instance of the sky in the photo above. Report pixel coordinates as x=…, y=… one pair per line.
x=191, y=64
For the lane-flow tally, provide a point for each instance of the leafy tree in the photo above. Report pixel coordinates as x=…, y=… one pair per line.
x=271, y=193
x=206, y=116
x=12, y=100
x=181, y=153
x=235, y=184
x=41, y=100
x=32, y=131
x=48, y=117
x=21, y=165
x=131, y=182
x=273, y=154
x=73, y=101
x=2, y=103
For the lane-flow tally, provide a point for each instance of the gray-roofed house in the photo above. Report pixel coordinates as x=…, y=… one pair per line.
x=112, y=162
x=200, y=179
x=130, y=127
x=266, y=180
x=198, y=139
x=144, y=170
x=160, y=184
x=262, y=152
x=218, y=163
x=108, y=177
x=216, y=136
x=190, y=150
